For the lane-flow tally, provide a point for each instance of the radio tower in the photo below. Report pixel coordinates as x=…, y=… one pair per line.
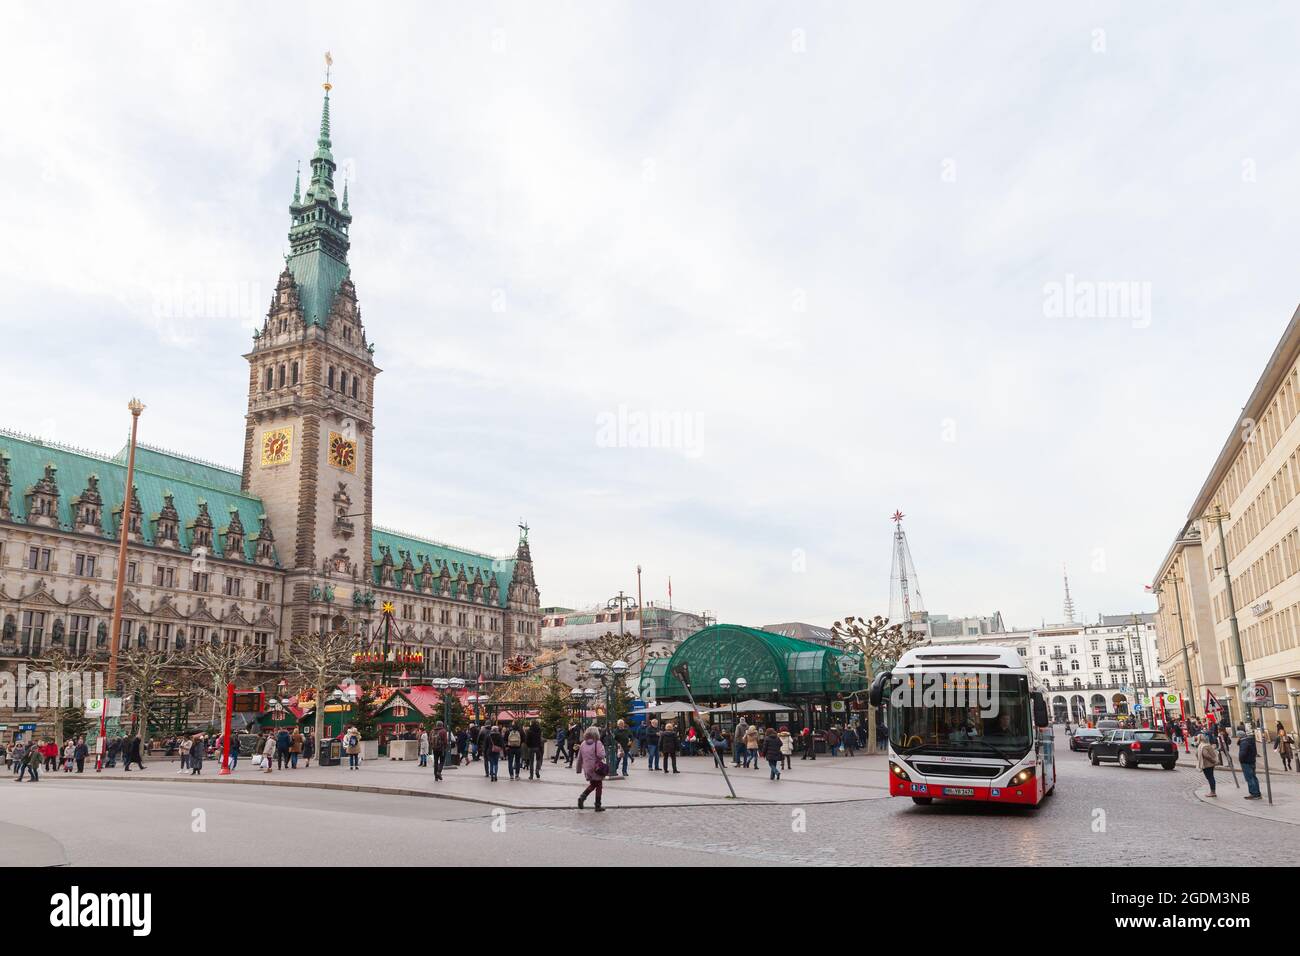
x=904, y=589
x=1069, y=601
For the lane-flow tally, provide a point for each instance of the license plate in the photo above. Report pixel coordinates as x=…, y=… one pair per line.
x=959, y=791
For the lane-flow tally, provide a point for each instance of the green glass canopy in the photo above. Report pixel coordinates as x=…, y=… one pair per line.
x=770, y=663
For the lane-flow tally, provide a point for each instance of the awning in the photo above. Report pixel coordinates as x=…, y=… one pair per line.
x=671, y=708
x=753, y=707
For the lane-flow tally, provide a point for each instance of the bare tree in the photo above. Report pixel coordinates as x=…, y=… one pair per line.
x=215, y=665
x=62, y=670
x=320, y=661
x=144, y=674
x=880, y=644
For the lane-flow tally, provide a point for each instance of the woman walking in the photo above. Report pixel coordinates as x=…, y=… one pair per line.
x=1285, y=745
x=353, y=745
x=751, y=746
x=787, y=747
x=1207, y=758
x=773, y=752
x=197, y=751
x=668, y=746
x=308, y=749
x=592, y=765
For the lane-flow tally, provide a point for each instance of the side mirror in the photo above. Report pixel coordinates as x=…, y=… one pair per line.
x=1041, y=718
x=878, y=688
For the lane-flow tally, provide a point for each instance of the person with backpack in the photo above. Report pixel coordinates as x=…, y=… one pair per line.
x=751, y=745
x=623, y=738
x=535, y=743
x=593, y=766
x=132, y=752
x=787, y=746
x=424, y=748
x=282, y=744
x=438, y=747
x=496, y=740
x=572, y=738
x=561, y=736
x=514, y=751
x=352, y=744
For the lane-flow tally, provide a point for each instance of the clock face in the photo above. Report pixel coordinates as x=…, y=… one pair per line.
x=343, y=452
x=277, y=447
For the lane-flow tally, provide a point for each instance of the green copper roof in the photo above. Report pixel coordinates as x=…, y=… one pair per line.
x=318, y=234
x=168, y=464
x=769, y=662
x=488, y=567
x=156, y=473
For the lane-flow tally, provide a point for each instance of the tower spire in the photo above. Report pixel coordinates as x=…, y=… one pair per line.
x=297, y=184
x=1069, y=601
x=905, y=603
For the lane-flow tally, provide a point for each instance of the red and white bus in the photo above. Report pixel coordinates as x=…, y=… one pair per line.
x=966, y=723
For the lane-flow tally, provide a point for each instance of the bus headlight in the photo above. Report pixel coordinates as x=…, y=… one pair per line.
x=1024, y=776
x=898, y=771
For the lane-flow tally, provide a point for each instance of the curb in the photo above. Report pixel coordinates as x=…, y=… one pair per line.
x=1242, y=810
x=406, y=792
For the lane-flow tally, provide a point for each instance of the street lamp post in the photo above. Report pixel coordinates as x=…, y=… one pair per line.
x=135, y=406
x=609, y=675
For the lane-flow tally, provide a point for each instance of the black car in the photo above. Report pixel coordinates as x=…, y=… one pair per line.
x=1084, y=737
x=1134, y=747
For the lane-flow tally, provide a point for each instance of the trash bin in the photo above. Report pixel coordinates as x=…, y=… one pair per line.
x=331, y=752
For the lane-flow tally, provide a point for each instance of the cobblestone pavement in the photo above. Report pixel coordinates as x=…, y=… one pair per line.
x=1151, y=817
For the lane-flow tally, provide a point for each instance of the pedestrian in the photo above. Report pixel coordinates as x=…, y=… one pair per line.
x=308, y=748
x=282, y=744
x=234, y=751
x=593, y=766
x=1246, y=752
x=1284, y=744
x=738, y=741
x=183, y=748
x=1207, y=758
x=462, y=746
x=112, y=751
x=484, y=743
x=514, y=751
x=69, y=746
x=751, y=745
x=652, y=744
x=4, y=755
x=809, y=745
x=295, y=748
x=771, y=750
x=561, y=733
x=850, y=740
x=424, y=747
x=269, y=748
x=352, y=743
x=132, y=753
x=79, y=753
x=197, y=752
x=438, y=746
x=668, y=746
x=496, y=742
x=572, y=739
x=623, y=738
x=787, y=746
x=32, y=764
x=534, y=742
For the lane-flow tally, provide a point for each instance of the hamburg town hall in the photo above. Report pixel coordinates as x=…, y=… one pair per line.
x=283, y=546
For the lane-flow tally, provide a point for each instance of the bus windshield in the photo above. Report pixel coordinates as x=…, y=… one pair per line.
x=967, y=714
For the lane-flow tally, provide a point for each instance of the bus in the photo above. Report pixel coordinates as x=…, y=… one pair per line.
x=966, y=723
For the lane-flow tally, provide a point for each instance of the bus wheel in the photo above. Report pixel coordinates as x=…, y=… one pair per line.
x=923, y=801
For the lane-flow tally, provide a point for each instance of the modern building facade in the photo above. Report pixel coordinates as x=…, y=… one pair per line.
x=283, y=545
x=1189, y=652
x=1250, y=496
x=567, y=629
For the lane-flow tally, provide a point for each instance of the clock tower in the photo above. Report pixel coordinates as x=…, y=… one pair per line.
x=308, y=432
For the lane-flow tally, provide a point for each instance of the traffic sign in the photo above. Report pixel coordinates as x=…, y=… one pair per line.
x=1263, y=693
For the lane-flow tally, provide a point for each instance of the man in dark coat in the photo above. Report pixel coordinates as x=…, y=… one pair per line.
x=668, y=746
x=133, y=752
x=1246, y=753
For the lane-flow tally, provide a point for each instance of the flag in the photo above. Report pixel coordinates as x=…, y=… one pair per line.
x=329, y=60
x=670, y=589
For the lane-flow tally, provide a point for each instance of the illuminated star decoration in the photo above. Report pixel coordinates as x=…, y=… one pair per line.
x=388, y=607
x=896, y=517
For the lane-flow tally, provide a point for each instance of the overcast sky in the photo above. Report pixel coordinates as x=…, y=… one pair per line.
x=821, y=244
